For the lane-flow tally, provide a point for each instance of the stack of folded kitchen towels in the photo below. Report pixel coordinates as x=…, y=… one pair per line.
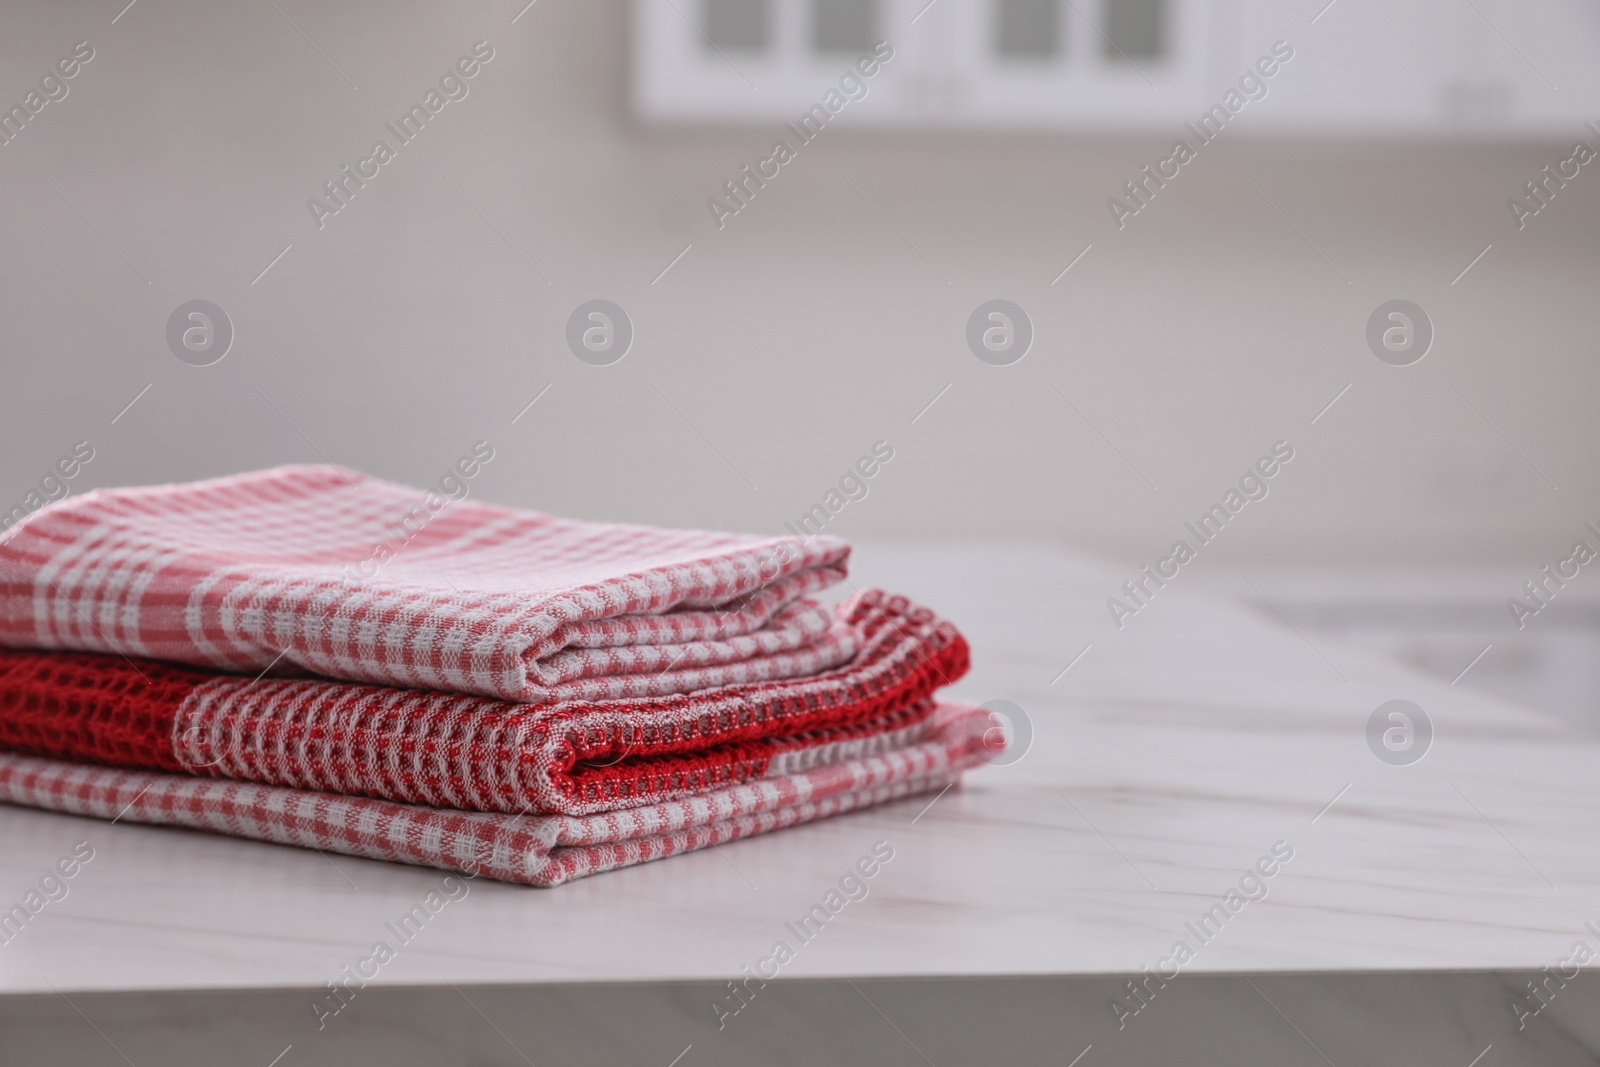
x=313, y=657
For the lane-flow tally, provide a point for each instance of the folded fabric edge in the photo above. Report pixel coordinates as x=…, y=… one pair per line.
x=537, y=851
x=649, y=781
x=458, y=751
x=750, y=613
x=833, y=647
x=801, y=622
x=135, y=580
x=579, y=861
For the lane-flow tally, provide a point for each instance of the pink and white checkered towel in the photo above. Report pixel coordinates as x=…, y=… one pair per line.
x=350, y=577
x=534, y=850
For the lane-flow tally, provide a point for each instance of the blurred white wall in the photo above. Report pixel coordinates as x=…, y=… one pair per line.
x=809, y=327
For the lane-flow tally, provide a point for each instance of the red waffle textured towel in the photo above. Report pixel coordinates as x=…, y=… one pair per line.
x=461, y=751
x=535, y=850
x=350, y=577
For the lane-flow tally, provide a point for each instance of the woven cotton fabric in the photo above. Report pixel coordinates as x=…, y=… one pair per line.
x=318, y=658
x=533, y=850
x=350, y=577
x=470, y=752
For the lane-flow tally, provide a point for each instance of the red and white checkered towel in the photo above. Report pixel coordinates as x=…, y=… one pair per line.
x=461, y=751
x=350, y=577
x=566, y=697
x=535, y=850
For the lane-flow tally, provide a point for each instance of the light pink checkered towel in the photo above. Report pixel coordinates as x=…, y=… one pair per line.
x=541, y=850
x=351, y=577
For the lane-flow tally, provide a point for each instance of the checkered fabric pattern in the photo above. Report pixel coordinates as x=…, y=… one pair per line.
x=350, y=577
x=534, y=850
x=471, y=752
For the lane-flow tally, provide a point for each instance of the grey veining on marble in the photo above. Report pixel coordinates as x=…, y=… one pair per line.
x=1164, y=765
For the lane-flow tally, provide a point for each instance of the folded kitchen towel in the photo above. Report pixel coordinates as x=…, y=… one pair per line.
x=543, y=850
x=471, y=752
x=350, y=577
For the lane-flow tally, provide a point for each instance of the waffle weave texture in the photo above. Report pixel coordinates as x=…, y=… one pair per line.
x=470, y=752
x=323, y=659
x=534, y=850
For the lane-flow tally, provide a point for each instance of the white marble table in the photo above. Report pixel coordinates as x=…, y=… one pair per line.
x=1169, y=758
